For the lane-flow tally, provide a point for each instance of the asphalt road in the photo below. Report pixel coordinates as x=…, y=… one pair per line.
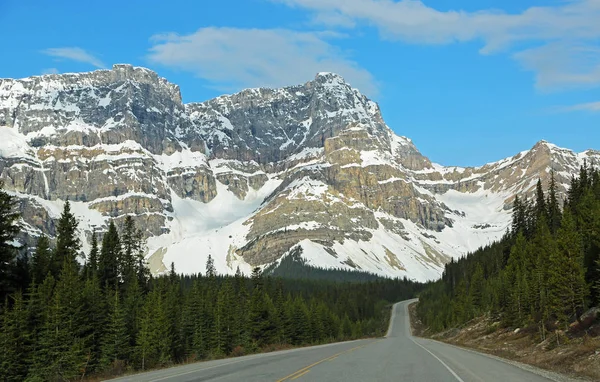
x=398, y=357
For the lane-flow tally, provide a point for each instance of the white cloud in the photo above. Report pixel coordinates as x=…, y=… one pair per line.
x=75, y=54
x=551, y=27
x=591, y=106
x=50, y=71
x=560, y=64
x=231, y=58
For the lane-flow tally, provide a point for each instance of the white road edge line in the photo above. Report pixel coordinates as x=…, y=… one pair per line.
x=548, y=374
x=459, y=379
x=409, y=335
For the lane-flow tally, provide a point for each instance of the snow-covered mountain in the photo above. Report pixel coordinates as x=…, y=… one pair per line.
x=251, y=177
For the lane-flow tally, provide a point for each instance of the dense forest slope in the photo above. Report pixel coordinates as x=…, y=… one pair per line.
x=63, y=321
x=544, y=273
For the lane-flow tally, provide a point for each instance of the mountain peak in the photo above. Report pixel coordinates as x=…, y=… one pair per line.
x=332, y=79
x=544, y=144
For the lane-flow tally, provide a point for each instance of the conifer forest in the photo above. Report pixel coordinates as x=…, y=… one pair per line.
x=543, y=274
x=69, y=315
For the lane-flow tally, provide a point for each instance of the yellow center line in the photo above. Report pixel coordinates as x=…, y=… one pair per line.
x=300, y=375
x=306, y=369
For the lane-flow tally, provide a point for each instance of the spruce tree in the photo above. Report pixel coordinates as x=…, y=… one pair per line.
x=540, y=202
x=554, y=212
x=133, y=304
x=67, y=240
x=60, y=352
x=568, y=289
x=476, y=288
x=14, y=341
x=94, y=310
x=115, y=341
x=516, y=280
x=108, y=262
x=132, y=254
x=91, y=266
x=8, y=231
x=41, y=259
x=153, y=345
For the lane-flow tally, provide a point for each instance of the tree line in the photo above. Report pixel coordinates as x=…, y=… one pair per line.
x=544, y=272
x=67, y=315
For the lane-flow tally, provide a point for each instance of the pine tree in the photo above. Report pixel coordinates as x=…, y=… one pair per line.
x=519, y=219
x=94, y=309
x=108, y=262
x=133, y=304
x=261, y=319
x=542, y=248
x=541, y=210
x=67, y=240
x=41, y=259
x=173, y=307
x=554, y=212
x=211, y=271
x=132, y=251
x=21, y=272
x=14, y=341
x=516, y=280
x=60, y=347
x=8, y=231
x=153, y=344
x=568, y=288
x=115, y=341
x=476, y=288
x=91, y=267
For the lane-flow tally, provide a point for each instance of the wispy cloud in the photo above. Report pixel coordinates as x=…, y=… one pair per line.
x=591, y=106
x=562, y=65
x=232, y=58
x=75, y=54
x=551, y=30
x=50, y=71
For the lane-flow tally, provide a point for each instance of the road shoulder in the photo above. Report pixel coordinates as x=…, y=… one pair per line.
x=477, y=343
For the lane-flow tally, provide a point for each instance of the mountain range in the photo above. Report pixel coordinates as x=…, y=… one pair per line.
x=250, y=178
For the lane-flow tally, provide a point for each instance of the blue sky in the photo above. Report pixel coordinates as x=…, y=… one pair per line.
x=470, y=83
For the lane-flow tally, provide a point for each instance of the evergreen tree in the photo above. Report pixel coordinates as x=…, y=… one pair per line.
x=554, y=213
x=519, y=222
x=60, y=347
x=115, y=341
x=108, y=262
x=541, y=210
x=132, y=255
x=476, y=288
x=67, y=240
x=94, y=310
x=8, y=231
x=91, y=267
x=153, y=341
x=133, y=304
x=567, y=275
x=14, y=341
x=41, y=259
x=516, y=280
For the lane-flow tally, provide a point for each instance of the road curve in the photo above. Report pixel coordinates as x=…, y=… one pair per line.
x=397, y=357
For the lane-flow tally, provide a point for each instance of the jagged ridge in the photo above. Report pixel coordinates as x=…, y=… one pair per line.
x=251, y=177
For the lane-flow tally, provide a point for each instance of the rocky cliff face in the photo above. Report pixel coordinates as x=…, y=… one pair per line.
x=251, y=177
